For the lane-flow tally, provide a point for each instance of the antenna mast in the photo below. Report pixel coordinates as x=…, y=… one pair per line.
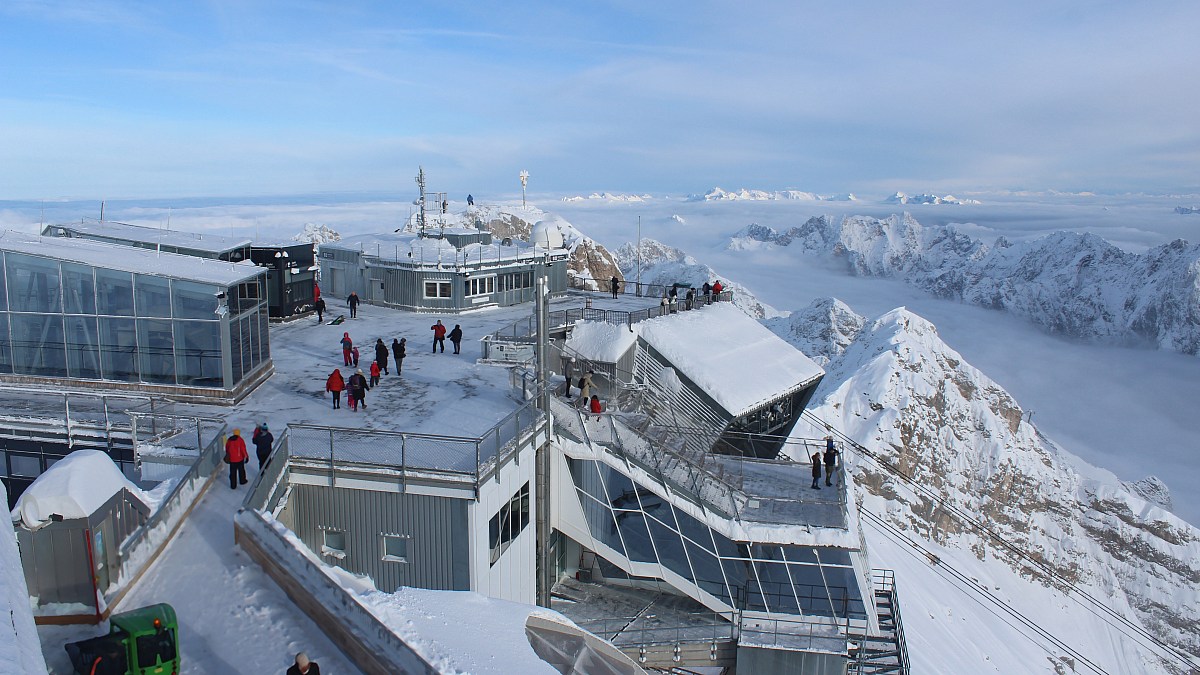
x=421, y=201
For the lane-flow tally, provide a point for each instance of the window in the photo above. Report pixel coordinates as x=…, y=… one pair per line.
x=334, y=544
x=395, y=547
x=481, y=286
x=508, y=523
x=437, y=289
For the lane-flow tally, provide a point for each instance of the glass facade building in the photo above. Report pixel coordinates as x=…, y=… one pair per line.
x=645, y=528
x=85, y=310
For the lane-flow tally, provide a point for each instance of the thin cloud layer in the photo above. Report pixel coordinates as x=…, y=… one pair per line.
x=136, y=99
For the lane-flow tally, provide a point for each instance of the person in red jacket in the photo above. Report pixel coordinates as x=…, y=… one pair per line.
x=375, y=372
x=236, y=455
x=717, y=288
x=595, y=407
x=439, y=336
x=334, y=385
x=347, y=345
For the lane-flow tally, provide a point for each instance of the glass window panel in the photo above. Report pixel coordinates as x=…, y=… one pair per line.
x=600, y=522
x=245, y=345
x=83, y=347
x=777, y=587
x=670, y=548
x=694, y=530
x=114, y=292
x=193, y=300
x=118, y=349
x=5, y=345
x=79, y=291
x=33, y=284
x=586, y=479
x=37, y=341
x=156, y=354
x=3, y=286
x=637, y=538
x=153, y=296
x=198, y=353
x=264, y=332
x=708, y=571
x=235, y=350
x=622, y=494
x=737, y=575
x=395, y=548
x=24, y=465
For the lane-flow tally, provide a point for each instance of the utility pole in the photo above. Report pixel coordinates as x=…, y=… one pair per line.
x=524, y=182
x=421, y=202
x=639, y=276
x=544, y=566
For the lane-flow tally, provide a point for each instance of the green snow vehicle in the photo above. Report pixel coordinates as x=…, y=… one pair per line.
x=141, y=642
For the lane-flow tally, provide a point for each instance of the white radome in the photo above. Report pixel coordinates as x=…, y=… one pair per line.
x=546, y=234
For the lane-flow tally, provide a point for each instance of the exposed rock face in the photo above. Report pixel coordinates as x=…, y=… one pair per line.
x=664, y=265
x=315, y=233
x=1072, y=284
x=899, y=390
x=823, y=330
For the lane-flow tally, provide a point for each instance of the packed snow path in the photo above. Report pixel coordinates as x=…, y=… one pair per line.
x=232, y=617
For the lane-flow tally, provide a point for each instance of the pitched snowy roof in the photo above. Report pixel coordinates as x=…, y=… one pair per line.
x=734, y=358
x=130, y=259
x=74, y=487
x=211, y=243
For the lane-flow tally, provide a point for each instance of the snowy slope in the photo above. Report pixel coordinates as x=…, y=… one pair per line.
x=1072, y=284
x=19, y=647
x=900, y=391
x=665, y=265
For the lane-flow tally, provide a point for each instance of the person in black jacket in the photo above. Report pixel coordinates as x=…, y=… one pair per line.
x=381, y=355
x=831, y=459
x=456, y=337
x=320, y=310
x=612, y=286
x=816, y=470
x=353, y=302
x=358, y=390
x=304, y=666
x=263, y=440
x=398, y=353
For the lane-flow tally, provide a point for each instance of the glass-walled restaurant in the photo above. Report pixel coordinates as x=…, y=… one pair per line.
x=86, y=310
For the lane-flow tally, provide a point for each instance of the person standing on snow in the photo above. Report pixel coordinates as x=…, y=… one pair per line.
x=585, y=386
x=334, y=385
x=263, y=440
x=439, y=336
x=470, y=200
x=347, y=345
x=398, y=354
x=353, y=302
x=358, y=390
x=303, y=666
x=375, y=373
x=816, y=470
x=235, y=454
x=456, y=337
x=707, y=293
x=320, y=310
x=612, y=286
x=354, y=355
x=381, y=355
x=717, y=288
x=831, y=459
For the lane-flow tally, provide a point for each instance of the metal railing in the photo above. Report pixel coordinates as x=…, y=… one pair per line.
x=561, y=318
x=472, y=458
x=648, y=629
x=137, y=548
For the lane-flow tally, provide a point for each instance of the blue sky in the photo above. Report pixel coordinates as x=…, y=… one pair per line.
x=152, y=99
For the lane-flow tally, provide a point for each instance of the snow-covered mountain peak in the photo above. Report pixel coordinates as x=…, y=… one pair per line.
x=917, y=405
x=317, y=233
x=823, y=330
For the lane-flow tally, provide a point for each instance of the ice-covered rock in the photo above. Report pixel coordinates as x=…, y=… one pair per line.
x=317, y=233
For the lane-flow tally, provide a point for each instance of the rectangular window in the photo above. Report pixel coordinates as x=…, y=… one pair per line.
x=24, y=465
x=395, y=547
x=437, y=289
x=334, y=543
x=508, y=523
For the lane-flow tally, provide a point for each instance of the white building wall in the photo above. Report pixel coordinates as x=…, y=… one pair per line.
x=512, y=576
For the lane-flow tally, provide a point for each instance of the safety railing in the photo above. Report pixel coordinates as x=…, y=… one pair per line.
x=561, y=318
x=649, y=629
x=138, y=547
x=270, y=485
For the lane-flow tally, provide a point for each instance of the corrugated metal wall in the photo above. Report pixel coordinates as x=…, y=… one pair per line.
x=436, y=529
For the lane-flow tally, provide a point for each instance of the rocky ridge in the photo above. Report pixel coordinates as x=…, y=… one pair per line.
x=1072, y=284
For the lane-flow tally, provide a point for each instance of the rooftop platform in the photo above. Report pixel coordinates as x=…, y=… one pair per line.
x=213, y=244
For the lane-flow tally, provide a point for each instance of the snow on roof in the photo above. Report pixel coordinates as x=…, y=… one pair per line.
x=212, y=243
x=130, y=259
x=600, y=340
x=74, y=487
x=735, y=359
x=20, y=647
x=409, y=248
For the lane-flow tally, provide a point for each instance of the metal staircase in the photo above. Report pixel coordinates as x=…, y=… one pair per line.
x=885, y=652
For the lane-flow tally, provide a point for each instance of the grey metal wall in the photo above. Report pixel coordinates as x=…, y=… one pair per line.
x=436, y=526
x=787, y=662
x=55, y=557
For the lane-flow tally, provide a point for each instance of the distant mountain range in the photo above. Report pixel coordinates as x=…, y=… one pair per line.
x=1069, y=283
x=743, y=194
x=901, y=198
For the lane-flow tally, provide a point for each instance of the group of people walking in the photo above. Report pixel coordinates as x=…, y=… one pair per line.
x=236, y=455
x=357, y=384
x=440, y=334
